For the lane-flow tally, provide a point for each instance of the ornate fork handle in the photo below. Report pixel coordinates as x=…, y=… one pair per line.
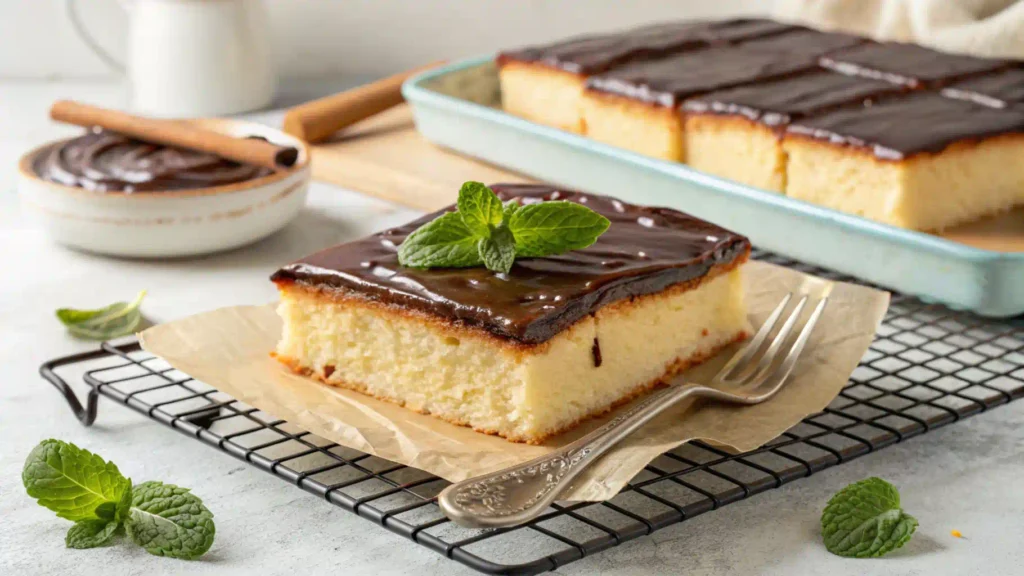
x=514, y=495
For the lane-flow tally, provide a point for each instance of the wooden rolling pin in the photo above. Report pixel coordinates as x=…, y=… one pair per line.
x=315, y=121
x=175, y=133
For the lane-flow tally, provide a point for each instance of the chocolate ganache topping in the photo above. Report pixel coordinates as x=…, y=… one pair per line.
x=597, y=53
x=668, y=81
x=892, y=99
x=907, y=64
x=1000, y=90
x=109, y=162
x=902, y=127
x=777, y=103
x=644, y=251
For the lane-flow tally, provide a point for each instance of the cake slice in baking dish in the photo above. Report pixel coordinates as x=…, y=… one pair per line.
x=636, y=106
x=527, y=354
x=924, y=161
x=545, y=83
x=736, y=133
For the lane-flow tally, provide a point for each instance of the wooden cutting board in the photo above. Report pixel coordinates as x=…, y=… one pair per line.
x=385, y=157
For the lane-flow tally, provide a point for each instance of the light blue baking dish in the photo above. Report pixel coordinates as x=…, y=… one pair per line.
x=455, y=106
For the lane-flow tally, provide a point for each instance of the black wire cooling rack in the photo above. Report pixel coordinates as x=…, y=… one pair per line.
x=929, y=366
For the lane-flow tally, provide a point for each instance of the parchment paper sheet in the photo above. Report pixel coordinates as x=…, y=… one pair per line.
x=229, y=350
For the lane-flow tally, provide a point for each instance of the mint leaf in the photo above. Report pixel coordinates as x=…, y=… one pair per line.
x=480, y=208
x=508, y=209
x=118, y=319
x=485, y=231
x=78, y=485
x=499, y=251
x=548, y=228
x=864, y=520
x=170, y=521
x=74, y=483
x=442, y=242
x=124, y=507
x=91, y=533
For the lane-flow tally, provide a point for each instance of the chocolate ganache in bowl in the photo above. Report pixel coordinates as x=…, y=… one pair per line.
x=109, y=162
x=108, y=193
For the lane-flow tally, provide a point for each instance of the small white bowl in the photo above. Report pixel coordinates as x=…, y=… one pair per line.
x=173, y=223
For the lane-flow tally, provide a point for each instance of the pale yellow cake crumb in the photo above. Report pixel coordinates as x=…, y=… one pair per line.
x=927, y=191
x=541, y=94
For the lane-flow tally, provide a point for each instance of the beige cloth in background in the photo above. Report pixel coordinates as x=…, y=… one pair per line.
x=993, y=28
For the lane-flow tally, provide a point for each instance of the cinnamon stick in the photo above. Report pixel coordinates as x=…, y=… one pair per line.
x=316, y=120
x=175, y=133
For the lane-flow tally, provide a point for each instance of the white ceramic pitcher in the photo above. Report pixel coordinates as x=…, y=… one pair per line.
x=190, y=58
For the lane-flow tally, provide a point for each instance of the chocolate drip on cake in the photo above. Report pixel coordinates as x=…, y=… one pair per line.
x=645, y=251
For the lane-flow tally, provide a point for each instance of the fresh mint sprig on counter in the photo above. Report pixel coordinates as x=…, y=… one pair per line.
x=485, y=232
x=864, y=520
x=119, y=319
x=82, y=487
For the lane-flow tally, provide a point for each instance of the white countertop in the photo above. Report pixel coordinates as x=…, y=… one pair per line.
x=966, y=476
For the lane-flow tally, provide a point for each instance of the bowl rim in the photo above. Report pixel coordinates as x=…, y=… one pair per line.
x=219, y=124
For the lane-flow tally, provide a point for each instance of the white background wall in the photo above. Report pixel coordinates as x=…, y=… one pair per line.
x=331, y=37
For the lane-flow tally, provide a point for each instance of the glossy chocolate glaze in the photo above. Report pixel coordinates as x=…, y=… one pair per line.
x=593, y=54
x=894, y=99
x=668, y=81
x=109, y=162
x=999, y=90
x=779, y=102
x=907, y=64
x=901, y=127
x=643, y=252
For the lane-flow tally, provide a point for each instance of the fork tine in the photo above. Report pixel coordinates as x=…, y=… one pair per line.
x=794, y=353
x=744, y=356
x=764, y=365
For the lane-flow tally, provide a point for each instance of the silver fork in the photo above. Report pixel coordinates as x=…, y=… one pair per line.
x=520, y=493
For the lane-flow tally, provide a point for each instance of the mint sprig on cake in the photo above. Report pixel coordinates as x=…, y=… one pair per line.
x=485, y=232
